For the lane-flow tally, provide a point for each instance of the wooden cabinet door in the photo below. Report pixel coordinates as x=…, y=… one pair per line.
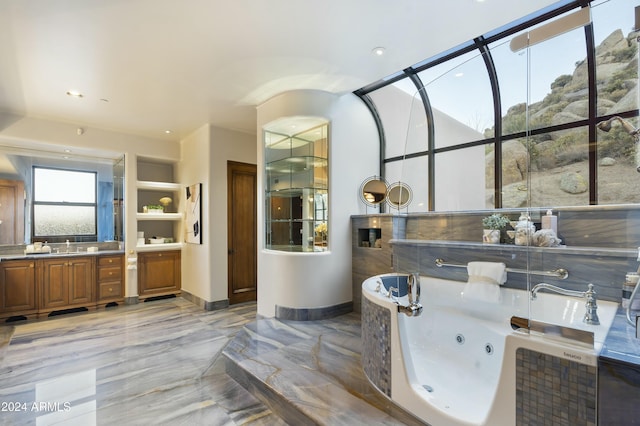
x=66, y=282
x=158, y=273
x=11, y=212
x=54, y=285
x=17, y=287
x=81, y=280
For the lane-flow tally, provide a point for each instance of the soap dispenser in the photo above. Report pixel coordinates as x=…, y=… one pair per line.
x=524, y=230
x=549, y=221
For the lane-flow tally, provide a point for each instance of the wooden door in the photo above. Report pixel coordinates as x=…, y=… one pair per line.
x=11, y=212
x=241, y=226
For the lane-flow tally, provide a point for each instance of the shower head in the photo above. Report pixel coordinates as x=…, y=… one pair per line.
x=628, y=127
x=605, y=126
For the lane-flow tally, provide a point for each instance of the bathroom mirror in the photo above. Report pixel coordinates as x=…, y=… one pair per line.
x=17, y=165
x=399, y=195
x=373, y=191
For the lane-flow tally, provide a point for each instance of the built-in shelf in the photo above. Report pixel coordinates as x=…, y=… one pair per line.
x=155, y=182
x=158, y=186
x=159, y=247
x=159, y=216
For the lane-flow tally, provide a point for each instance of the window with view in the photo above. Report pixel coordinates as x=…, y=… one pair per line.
x=544, y=125
x=64, y=204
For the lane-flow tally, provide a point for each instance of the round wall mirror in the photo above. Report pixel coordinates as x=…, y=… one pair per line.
x=373, y=191
x=399, y=195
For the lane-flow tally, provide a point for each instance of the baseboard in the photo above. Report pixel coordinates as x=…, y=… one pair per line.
x=313, y=314
x=205, y=304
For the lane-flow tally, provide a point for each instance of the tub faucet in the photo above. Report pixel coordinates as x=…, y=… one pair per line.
x=391, y=290
x=415, y=308
x=590, y=316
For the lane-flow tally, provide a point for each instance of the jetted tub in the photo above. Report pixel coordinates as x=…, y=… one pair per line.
x=460, y=362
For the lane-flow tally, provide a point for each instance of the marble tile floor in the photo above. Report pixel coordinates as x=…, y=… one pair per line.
x=147, y=364
x=170, y=362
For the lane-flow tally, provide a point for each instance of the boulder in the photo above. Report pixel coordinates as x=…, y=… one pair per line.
x=515, y=159
x=607, y=161
x=573, y=183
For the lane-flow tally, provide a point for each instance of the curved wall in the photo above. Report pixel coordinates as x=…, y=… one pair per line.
x=302, y=281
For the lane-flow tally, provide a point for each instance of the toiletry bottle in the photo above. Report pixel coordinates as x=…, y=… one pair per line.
x=550, y=221
x=524, y=230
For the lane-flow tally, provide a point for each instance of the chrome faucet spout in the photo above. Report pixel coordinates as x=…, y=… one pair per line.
x=591, y=314
x=415, y=308
x=544, y=286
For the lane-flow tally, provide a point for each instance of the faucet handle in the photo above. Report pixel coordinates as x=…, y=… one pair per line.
x=591, y=315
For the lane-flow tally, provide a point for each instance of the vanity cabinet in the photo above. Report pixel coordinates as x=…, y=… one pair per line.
x=17, y=288
x=43, y=285
x=159, y=273
x=66, y=283
x=110, y=279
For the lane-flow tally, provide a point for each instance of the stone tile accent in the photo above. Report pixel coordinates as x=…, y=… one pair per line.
x=376, y=345
x=554, y=391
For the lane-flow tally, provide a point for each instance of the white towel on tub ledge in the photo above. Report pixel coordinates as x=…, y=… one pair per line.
x=485, y=279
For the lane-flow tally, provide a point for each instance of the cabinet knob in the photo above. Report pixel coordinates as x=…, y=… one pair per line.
x=31, y=265
x=110, y=289
x=110, y=260
x=159, y=254
x=110, y=273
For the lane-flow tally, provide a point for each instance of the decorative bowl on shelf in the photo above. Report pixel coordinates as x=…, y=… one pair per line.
x=156, y=240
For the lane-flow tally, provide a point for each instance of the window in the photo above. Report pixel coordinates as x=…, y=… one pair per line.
x=64, y=204
x=523, y=123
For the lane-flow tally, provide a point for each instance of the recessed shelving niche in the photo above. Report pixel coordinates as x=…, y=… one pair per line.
x=156, y=182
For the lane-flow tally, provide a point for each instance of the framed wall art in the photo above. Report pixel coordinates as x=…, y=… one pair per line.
x=193, y=216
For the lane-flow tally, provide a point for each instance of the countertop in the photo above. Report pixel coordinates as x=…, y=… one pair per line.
x=55, y=255
x=621, y=343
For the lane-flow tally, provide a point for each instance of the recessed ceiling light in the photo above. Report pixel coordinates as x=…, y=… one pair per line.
x=459, y=74
x=167, y=131
x=67, y=150
x=74, y=94
x=378, y=51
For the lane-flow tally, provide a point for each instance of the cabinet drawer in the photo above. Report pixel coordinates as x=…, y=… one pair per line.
x=109, y=260
x=109, y=289
x=109, y=273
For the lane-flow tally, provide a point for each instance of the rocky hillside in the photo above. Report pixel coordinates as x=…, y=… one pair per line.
x=617, y=77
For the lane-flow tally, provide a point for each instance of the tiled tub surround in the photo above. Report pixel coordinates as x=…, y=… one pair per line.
x=600, y=245
x=465, y=365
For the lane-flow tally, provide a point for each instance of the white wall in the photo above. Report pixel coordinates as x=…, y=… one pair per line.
x=204, y=160
x=315, y=280
x=194, y=168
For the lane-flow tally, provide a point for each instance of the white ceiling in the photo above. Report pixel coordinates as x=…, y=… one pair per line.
x=145, y=66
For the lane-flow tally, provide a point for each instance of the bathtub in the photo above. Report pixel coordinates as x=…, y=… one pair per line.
x=461, y=363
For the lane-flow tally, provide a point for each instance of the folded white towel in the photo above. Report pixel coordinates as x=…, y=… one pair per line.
x=489, y=272
x=484, y=281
